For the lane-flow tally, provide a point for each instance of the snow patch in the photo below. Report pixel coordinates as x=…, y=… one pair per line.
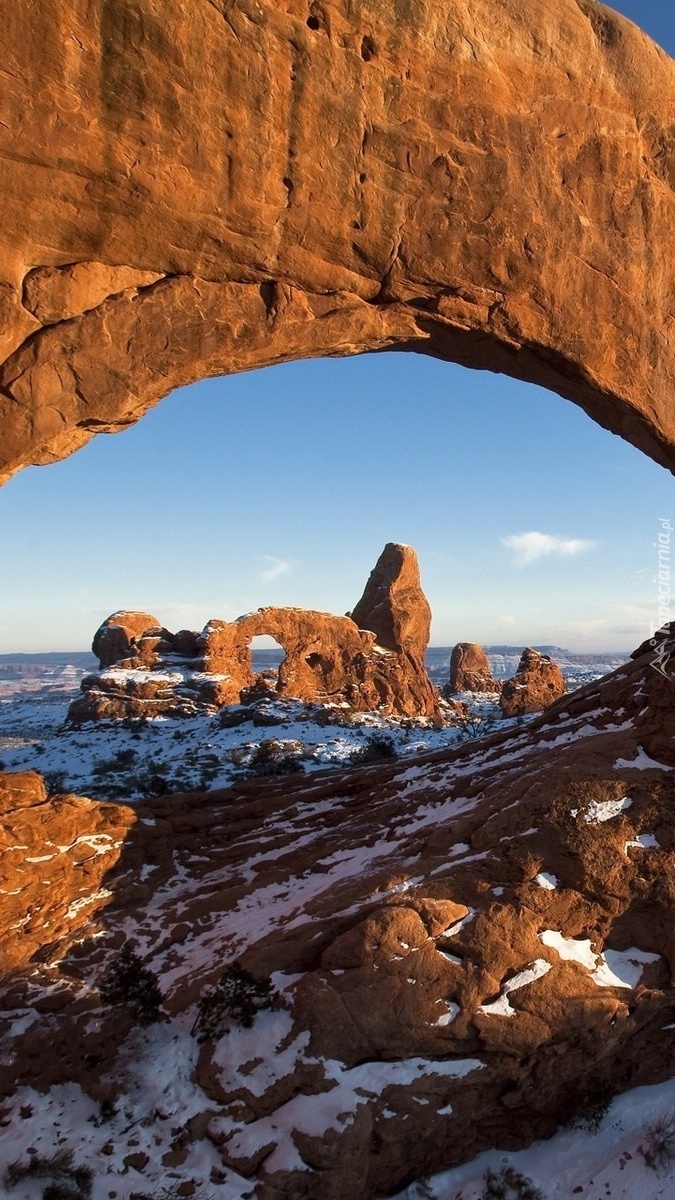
x=604, y=810
x=502, y=1007
x=546, y=881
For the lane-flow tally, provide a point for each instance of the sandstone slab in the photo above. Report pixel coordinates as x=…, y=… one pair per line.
x=254, y=183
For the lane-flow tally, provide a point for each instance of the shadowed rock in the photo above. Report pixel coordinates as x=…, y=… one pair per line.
x=470, y=670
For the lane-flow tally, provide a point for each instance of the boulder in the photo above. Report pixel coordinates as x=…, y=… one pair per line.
x=119, y=636
x=470, y=670
x=536, y=684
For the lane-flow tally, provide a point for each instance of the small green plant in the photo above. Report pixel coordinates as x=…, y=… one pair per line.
x=509, y=1184
x=63, y=1179
x=236, y=999
x=658, y=1148
x=377, y=746
x=129, y=984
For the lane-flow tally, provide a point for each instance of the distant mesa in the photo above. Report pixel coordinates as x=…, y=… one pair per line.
x=373, y=659
x=537, y=683
x=470, y=670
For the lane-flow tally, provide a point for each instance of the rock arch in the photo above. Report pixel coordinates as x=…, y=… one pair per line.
x=243, y=182
x=378, y=663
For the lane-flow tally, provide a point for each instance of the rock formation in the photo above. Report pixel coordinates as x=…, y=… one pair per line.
x=487, y=186
x=465, y=950
x=148, y=671
x=393, y=604
x=470, y=670
x=536, y=684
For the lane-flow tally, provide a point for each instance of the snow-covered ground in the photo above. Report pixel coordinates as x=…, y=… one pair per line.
x=610, y=1163
x=129, y=760
x=164, y=755
x=153, y=1136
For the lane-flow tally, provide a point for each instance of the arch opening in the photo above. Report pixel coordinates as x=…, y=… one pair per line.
x=266, y=656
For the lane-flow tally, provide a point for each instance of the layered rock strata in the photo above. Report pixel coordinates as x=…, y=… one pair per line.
x=466, y=946
x=239, y=184
x=148, y=671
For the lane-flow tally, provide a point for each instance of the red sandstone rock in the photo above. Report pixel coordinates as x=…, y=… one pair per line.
x=444, y=219
x=470, y=670
x=55, y=854
x=393, y=604
x=20, y=789
x=151, y=672
x=119, y=635
x=536, y=684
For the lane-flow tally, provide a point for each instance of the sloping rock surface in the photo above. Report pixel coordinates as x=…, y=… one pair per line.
x=467, y=946
x=230, y=185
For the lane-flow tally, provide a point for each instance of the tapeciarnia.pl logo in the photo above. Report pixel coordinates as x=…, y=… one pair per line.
x=663, y=648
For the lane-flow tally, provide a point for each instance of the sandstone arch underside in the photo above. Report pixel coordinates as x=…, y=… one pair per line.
x=197, y=187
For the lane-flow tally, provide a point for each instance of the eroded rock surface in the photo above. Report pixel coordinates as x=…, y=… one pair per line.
x=148, y=671
x=393, y=604
x=239, y=184
x=470, y=670
x=487, y=931
x=536, y=684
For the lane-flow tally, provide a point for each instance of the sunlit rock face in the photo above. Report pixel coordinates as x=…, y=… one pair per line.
x=536, y=684
x=240, y=184
x=148, y=671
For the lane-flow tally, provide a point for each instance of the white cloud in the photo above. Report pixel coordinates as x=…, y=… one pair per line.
x=277, y=567
x=528, y=547
x=507, y=619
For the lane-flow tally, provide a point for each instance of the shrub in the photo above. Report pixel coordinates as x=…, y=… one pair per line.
x=237, y=998
x=64, y=1180
x=593, y=1108
x=169, y=1192
x=421, y=1190
x=129, y=984
x=120, y=761
x=658, y=1148
x=376, y=747
x=55, y=782
x=272, y=757
x=509, y=1184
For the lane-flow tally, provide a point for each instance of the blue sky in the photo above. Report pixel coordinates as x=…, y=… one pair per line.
x=282, y=486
